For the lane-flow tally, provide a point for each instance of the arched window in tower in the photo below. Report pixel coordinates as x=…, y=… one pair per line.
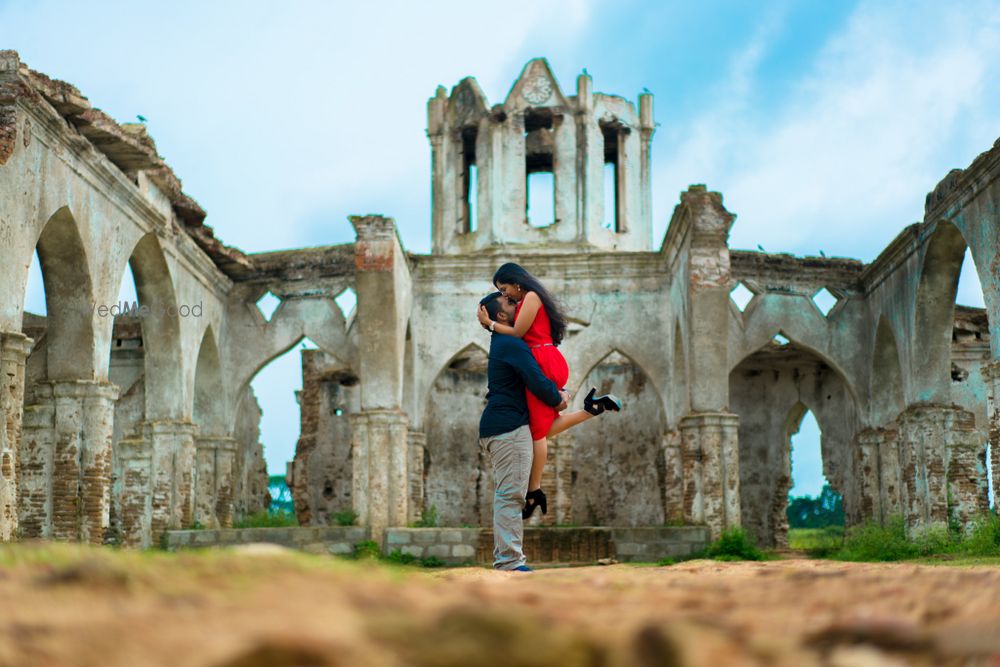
x=539, y=157
x=470, y=180
x=612, y=178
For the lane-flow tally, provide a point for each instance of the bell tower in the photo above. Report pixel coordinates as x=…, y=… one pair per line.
x=559, y=173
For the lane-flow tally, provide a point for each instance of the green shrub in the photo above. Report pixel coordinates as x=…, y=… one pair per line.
x=983, y=537
x=874, y=542
x=265, y=519
x=664, y=562
x=428, y=518
x=431, y=561
x=345, y=518
x=367, y=549
x=398, y=557
x=734, y=544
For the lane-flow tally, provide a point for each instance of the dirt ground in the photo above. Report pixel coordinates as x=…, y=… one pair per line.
x=71, y=605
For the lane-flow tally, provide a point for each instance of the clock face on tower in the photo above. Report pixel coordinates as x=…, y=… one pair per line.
x=537, y=90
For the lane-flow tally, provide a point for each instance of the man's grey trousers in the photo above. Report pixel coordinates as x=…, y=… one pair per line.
x=510, y=453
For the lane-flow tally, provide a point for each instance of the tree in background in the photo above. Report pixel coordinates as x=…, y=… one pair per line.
x=808, y=512
x=281, y=495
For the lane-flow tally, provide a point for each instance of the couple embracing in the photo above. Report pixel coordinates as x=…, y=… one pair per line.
x=526, y=374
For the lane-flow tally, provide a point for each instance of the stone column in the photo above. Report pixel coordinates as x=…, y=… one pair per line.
x=709, y=435
x=673, y=477
x=66, y=457
x=710, y=461
x=172, y=454
x=890, y=476
x=379, y=439
x=14, y=349
x=941, y=465
x=869, y=478
x=135, y=495
x=380, y=455
x=416, y=443
x=213, y=494
x=991, y=374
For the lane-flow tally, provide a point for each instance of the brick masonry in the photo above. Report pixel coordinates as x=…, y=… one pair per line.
x=464, y=546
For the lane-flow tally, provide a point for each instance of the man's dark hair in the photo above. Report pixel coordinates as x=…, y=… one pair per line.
x=492, y=305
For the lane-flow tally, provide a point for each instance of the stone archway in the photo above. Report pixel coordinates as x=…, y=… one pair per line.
x=771, y=390
x=617, y=476
x=457, y=484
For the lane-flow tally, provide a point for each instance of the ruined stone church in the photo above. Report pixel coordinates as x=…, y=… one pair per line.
x=119, y=428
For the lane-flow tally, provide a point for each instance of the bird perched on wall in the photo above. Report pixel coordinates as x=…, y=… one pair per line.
x=646, y=90
x=761, y=248
x=142, y=119
x=822, y=254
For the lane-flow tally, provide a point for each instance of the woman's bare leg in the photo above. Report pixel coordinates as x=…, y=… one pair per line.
x=539, y=454
x=567, y=420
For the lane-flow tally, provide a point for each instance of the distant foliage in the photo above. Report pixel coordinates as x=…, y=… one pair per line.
x=809, y=512
x=281, y=495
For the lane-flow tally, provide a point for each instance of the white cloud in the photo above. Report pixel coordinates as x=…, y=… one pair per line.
x=892, y=102
x=284, y=119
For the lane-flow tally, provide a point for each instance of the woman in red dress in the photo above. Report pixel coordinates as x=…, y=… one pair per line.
x=541, y=324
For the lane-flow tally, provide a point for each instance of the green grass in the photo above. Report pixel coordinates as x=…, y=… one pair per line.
x=265, y=519
x=817, y=542
x=889, y=542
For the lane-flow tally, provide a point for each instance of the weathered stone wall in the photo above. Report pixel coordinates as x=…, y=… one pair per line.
x=250, y=492
x=617, y=466
x=458, y=480
x=321, y=473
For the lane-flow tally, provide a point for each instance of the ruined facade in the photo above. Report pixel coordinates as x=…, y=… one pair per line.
x=122, y=428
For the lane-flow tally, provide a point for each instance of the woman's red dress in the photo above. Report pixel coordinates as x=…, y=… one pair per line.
x=553, y=365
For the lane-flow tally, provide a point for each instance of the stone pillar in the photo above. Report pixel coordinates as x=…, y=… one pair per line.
x=172, y=454
x=673, y=477
x=416, y=443
x=213, y=494
x=379, y=455
x=868, y=475
x=890, y=474
x=135, y=492
x=66, y=460
x=941, y=466
x=710, y=461
x=14, y=349
x=991, y=374
x=379, y=440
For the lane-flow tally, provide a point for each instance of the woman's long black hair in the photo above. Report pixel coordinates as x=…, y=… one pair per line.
x=512, y=274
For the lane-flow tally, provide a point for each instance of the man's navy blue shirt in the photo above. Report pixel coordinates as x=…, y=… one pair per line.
x=511, y=369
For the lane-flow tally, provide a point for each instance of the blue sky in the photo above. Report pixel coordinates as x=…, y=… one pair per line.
x=824, y=124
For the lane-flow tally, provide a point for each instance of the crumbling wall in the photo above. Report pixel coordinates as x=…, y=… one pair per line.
x=617, y=462
x=250, y=492
x=321, y=473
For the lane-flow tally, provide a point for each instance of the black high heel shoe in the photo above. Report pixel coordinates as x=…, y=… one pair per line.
x=596, y=406
x=534, y=499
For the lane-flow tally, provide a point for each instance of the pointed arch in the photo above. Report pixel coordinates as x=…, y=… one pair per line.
x=161, y=335
x=69, y=299
x=935, y=312
x=456, y=480
x=887, y=395
x=609, y=353
x=208, y=409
